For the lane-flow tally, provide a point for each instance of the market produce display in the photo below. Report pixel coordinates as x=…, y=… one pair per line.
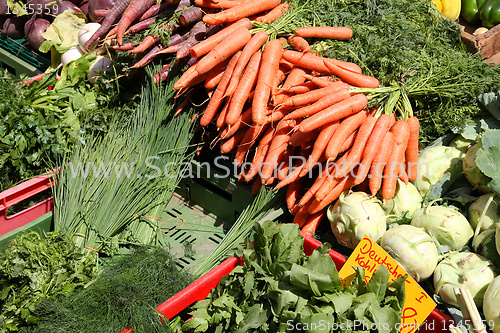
x=364, y=118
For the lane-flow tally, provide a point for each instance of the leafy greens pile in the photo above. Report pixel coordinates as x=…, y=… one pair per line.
x=35, y=267
x=124, y=294
x=411, y=44
x=280, y=289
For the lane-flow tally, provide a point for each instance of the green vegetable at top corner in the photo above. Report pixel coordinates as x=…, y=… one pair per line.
x=471, y=11
x=490, y=13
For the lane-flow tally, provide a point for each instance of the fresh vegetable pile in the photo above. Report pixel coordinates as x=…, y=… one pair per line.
x=279, y=288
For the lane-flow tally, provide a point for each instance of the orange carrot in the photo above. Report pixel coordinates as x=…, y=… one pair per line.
x=221, y=118
x=375, y=141
x=318, y=64
x=326, y=133
x=205, y=46
x=257, y=184
x=321, y=81
x=299, y=88
x=243, y=10
x=412, y=150
x=340, y=33
x=244, y=120
x=344, y=185
x=277, y=115
x=356, y=79
x=301, y=218
x=273, y=14
x=232, y=142
x=225, y=49
x=268, y=69
x=245, y=86
x=296, y=76
x=277, y=148
x=313, y=221
x=260, y=153
x=220, y=4
x=215, y=75
x=293, y=192
x=346, y=127
x=285, y=163
x=313, y=95
x=297, y=138
x=292, y=176
x=321, y=104
x=248, y=51
x=348, y=142
x=318, y=183
x=328, y=185
x=342, y=109
x=283, y=69
x=217, y=98
x=401, y=131
x=251, y=136
x=299, y=43
x=379, y=164
x=146, y=43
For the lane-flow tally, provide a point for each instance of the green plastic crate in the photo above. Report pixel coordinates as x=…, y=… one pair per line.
x=18, y=57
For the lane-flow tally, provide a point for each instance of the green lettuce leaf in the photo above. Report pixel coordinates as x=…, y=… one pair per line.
x=62, y=34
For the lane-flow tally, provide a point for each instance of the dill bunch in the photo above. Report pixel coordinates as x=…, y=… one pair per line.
x=124, y=294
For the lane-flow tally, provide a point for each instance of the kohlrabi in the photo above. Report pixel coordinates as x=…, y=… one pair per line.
x=446, y=224
x=491, y=305
x=484, y=210
x=406, y=201
x=477, y=179
x=433, y=163
x=413, y=249
x=463, y=270
x=355, y=215
x=484, y=244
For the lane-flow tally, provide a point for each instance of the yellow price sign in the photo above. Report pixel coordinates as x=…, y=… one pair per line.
x=369, y=255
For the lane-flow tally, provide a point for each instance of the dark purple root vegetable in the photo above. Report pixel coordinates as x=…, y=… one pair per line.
x=213, y=29
x=196, y=35
x=178, y=38
x=142, y=25
x=13, y=26
x=77, y=2
x=155, y=10
x=84, y=7
x=99, y=4
x=4, y=8
x=182, y=5
x=150, y=56
x=60, y=6
x=162, y=74
x=191, y=15
x=33, y=30
x=191, y=61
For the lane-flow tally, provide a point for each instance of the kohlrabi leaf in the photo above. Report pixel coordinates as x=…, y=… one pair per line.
x=491, y=102
x=62, y=34
x=488, y=161
x=378, y=282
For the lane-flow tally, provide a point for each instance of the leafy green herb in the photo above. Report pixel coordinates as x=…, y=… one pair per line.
x=280, y=289
x=36, y=267
x=124, y=294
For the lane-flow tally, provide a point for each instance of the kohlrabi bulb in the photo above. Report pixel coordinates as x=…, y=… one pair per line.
x=433, y=164
x=355, y=215
x=472, y=172
x=446, y=224
x=491, y=305
x=488, y=216
x=484, y=244
x=413, y=249
x=463, y=270
x=406, y=201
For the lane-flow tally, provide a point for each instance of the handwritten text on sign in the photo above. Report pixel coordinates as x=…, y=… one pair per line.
x=368, y=254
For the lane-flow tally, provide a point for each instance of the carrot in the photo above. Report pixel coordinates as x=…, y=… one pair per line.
x=346, y=108
x=346, y=127
x=221, y=119
x=321, y=81
x=183, y=104
x=251, y=136
x=284, y=68
x=202, y=48
x=344, y=185
x=225, y=49
x=162, y=74
x=326, y=133
x=260, y=153
x=401, y=131
x=375, y=141
x=277, y=148
x=273, y=14
x=155, y=10
x=277, y=115
x=244, y=119
x=134, y=10
x=146, y=43
x=340, y=33
x=314, y=95
x=244, y=9
x=356, y=79
x=316, y=63
x=328, y=185
x=356, y=151
x=404, y=176
x=285, y=163
x=298, y=165
x=348, y=142
x=299, y=88
x=191, y=15
x=257, y=184
x=379, y=163
x=139, y=26
x=295, y=77
x=101, y=12
x=293, y=192
x=246, y=54
x=215, y=75
x=313, y=221
x=269, y=66
x=217, y=97
x=245, y=86
x=150, y=56
x=412, y=149
x=298, y=137
x=220, y=4
x=318, y=183
x=232, y=142
x=299, y=43
x=124, y=47
x=301, y=218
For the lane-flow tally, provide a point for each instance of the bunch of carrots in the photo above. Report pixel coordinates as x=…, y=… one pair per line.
x=293, y=118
